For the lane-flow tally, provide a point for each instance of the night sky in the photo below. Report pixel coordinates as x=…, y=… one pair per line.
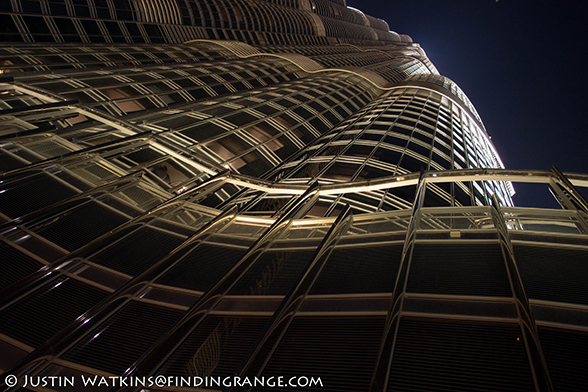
x=522, y=63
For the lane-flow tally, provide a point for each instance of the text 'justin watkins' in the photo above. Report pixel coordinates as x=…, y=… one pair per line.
x=164, y=381
x=92, y=381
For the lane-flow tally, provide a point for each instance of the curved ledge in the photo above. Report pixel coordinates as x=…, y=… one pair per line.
x=426, y=63
x=306, y=63
x=527, y=176
x=368, y=74
x=236, y=47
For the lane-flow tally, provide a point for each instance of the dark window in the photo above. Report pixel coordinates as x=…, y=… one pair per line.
x=91, y=27
x=153, y=32
x=109, y=349
x=344, y=274
x=58, y=9
x=82, y=11
x=133, y=29
x=36, y=25
x=68, y=29
x=30, y=6
x=204, y=131
x=359, y=151
x=8, y=30
x=115, y=31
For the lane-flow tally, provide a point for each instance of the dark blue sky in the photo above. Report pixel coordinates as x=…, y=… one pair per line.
x=522, y=63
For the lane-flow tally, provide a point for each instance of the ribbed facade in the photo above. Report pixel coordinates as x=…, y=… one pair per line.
x=268, y=188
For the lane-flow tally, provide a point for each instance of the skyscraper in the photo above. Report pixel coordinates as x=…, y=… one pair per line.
x=261, y=188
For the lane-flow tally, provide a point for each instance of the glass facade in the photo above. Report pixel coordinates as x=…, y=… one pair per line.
x=202, y=189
